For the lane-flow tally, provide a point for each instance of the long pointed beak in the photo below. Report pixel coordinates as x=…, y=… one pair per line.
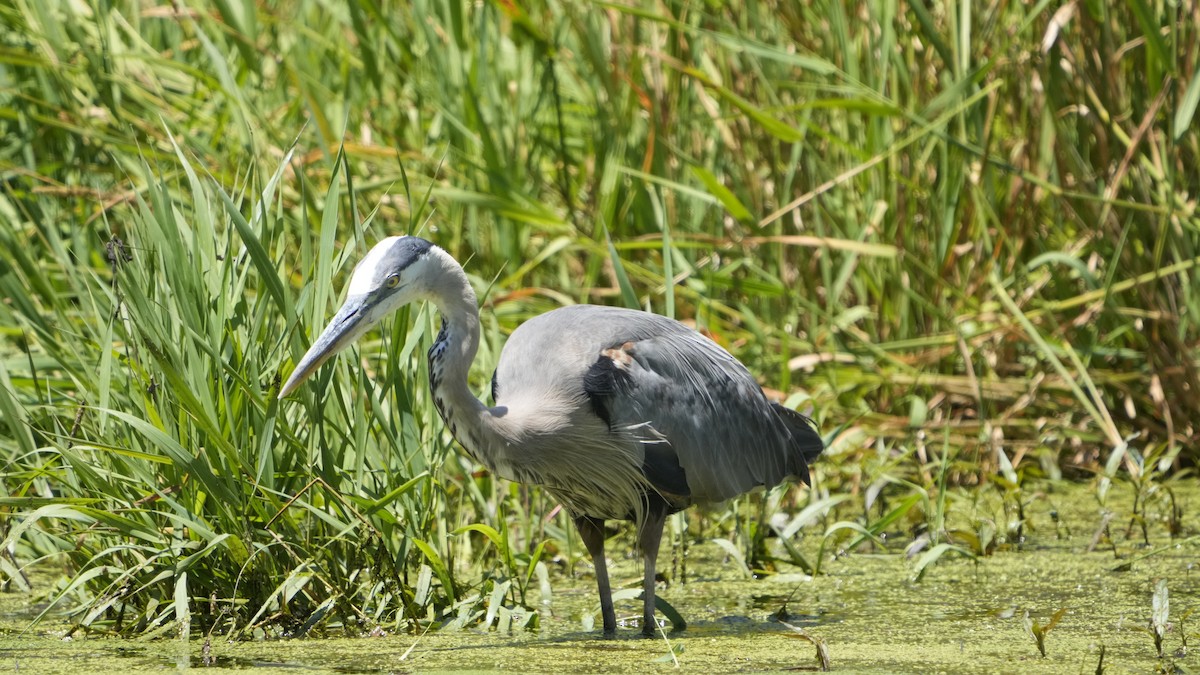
x=345, y=327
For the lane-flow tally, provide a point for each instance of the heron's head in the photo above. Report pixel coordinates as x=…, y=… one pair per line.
x=394, y=273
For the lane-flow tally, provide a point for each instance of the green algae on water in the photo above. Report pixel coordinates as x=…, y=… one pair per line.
x=964, y=616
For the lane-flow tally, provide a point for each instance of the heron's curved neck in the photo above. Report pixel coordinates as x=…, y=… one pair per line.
x=452, y=354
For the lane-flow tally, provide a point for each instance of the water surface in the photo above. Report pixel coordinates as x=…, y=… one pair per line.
x=964, y=616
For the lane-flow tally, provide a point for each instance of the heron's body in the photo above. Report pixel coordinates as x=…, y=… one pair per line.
x=619, y=414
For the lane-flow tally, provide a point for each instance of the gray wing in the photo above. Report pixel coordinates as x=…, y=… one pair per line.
x=709, y=427
x=707, y=431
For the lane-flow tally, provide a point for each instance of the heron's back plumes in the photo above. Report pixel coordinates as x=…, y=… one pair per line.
x=805, y=441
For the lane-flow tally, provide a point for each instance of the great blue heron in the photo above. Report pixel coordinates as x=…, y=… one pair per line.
x=619, y=414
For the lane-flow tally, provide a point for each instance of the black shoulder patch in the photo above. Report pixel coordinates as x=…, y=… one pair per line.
x=600, y=383
x=494, y=386
x=662, y=469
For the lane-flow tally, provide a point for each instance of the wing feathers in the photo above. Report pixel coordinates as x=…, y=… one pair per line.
x=718, y=435
x=669, y=407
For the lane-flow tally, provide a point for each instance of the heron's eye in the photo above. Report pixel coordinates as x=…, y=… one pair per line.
x=392, y=281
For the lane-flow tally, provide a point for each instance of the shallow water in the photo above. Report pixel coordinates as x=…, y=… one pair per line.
x=963, y=617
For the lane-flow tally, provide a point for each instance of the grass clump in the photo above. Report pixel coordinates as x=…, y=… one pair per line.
x=966, y=238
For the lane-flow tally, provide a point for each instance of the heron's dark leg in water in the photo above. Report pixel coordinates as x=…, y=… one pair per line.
x=591, y=531
x=649, y=537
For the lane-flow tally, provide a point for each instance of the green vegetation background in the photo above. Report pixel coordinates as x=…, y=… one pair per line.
x=966, y=237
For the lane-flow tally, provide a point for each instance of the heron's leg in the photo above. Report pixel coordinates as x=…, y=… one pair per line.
x=591, y=531
x=649, y=537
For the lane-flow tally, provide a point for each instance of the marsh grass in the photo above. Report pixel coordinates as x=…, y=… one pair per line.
x=965, y=238
x=1038, y=631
